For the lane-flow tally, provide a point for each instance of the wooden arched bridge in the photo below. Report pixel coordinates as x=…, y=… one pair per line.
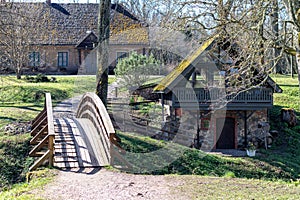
x=86, y=140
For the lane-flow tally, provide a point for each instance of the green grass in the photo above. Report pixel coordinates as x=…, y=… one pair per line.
x=290, y=96
x=199, y=187
x=177, y=159
x=24, y=190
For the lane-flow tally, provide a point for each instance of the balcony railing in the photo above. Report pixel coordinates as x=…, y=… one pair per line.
x=214, y=95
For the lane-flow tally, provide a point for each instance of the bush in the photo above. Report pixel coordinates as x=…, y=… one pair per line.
x=136, y=69
x=40, y=78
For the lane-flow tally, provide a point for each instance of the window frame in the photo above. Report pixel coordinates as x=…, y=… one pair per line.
x=34, y=59
x=62, y=59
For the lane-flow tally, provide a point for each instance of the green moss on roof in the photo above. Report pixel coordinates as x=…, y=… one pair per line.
x=170, y=78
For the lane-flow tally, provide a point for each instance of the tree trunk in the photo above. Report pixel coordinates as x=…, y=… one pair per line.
x=275, y=31
x=298, y=65
x=102, y=53
x=18, y=75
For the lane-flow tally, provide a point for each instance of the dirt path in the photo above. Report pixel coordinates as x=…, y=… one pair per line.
x=106, y=185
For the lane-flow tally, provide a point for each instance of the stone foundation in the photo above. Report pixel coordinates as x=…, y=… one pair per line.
x=190, y=121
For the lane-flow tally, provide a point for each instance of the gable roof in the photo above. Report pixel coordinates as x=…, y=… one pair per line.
x=183, y=68
x=88, y=42
x=186, y=66
x=68, y=24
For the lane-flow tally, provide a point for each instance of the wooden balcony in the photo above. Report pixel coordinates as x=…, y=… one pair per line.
x=216, y=97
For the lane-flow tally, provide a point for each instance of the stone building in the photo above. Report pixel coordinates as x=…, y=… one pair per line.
x=207, y=113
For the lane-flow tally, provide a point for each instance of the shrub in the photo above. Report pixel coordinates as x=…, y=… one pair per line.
x=136, y=69
x=40, y=78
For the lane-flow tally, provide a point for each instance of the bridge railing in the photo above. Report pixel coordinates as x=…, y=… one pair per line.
x=42, y=132
x=92, y=108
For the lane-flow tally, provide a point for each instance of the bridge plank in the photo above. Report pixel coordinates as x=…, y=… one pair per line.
x=74, y=148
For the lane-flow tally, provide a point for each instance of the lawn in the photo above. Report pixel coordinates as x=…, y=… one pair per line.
x=199, y=187
x=290, y=96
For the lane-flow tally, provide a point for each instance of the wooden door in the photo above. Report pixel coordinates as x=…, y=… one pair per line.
x=225, y=133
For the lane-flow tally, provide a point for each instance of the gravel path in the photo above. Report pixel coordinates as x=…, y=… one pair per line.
x=103, y=184
x=109, y=185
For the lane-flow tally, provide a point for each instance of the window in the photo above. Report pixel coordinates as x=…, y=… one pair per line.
x=34, y=59
x=121, y=55
x=205, y=124
x=62, y=59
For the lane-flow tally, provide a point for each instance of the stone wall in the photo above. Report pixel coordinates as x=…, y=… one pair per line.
x=187, y=133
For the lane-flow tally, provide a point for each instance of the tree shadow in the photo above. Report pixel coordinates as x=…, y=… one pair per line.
x=31, y=108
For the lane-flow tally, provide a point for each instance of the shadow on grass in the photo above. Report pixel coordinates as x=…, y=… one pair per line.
x=195, y=162
x=8, y=118
x=283, y=85
x=31, y=108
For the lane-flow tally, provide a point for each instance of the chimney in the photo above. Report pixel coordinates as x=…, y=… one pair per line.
x=48, y=2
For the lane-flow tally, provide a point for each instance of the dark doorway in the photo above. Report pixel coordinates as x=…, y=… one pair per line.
x=225, y=134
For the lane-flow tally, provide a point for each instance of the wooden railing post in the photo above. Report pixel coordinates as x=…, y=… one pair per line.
x=51, y=149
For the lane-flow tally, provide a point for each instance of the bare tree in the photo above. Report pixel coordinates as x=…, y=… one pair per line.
x=17, y=29
x=293, y=7
x=246, y=40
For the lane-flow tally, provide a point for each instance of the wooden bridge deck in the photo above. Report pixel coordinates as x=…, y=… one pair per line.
x=74, y=148
x=65, y=141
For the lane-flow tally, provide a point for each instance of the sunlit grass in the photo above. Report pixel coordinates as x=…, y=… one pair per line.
x=24, y=191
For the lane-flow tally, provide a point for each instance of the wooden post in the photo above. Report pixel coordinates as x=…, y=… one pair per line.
x=116, y=92
x=198, y=129
x=163, y=108
x=51, y=149
x=124, y=124
x=245, y=128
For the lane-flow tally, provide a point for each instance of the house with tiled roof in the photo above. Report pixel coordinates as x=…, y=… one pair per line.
x=67, y=43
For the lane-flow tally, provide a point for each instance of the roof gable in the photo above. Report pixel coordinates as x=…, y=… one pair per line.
x=88, y=42
x=184, y=68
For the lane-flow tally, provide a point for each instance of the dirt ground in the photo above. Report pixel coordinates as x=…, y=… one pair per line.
x=107, y=185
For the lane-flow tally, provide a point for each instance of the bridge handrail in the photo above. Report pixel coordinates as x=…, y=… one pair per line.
x=43, y=135
x=95, y=100
x=87, y=106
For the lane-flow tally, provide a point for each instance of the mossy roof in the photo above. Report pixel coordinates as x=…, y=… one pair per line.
x=51, y=26
x=165, y=85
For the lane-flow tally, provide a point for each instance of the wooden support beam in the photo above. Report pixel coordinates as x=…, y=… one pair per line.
x=39, y=146
x=39, y=135
x=40, y=161
x=39, y=125
x=38, y=118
